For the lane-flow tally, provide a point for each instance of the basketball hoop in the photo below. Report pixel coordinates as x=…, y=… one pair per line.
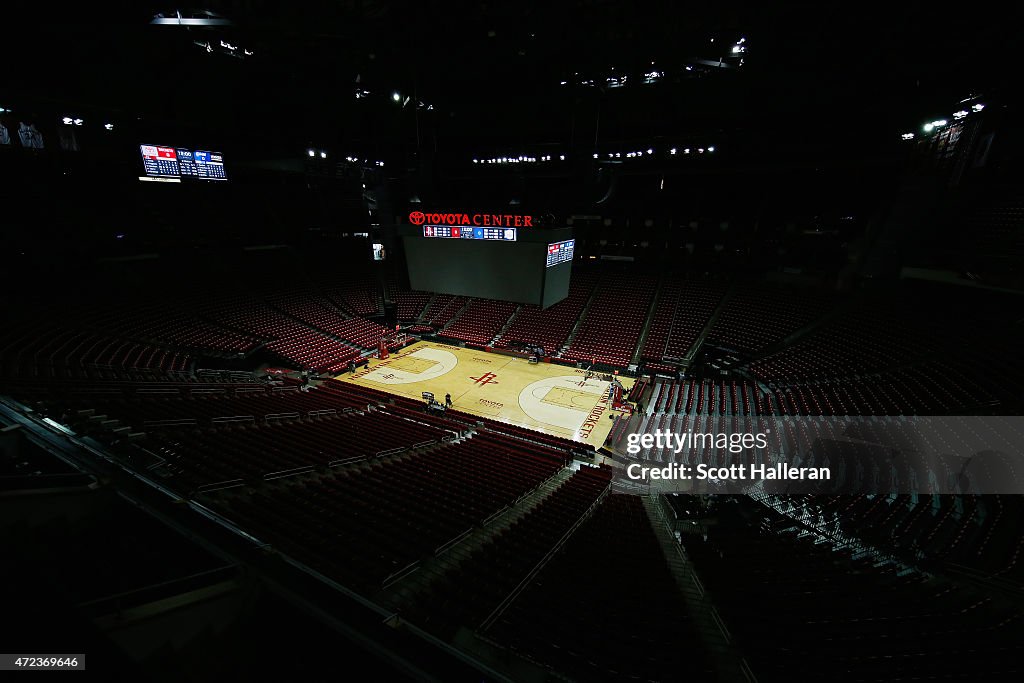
x=392, y=341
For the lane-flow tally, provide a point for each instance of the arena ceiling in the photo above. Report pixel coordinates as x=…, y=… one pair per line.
x=512, y=71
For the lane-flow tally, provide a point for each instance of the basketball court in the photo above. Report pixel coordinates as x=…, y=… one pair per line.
x=550, y=398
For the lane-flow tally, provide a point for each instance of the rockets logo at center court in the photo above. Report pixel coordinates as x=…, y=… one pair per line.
x=486, y=378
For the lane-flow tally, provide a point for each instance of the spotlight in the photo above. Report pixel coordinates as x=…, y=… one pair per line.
x=977, y=107
x=686, y=151
x=323, y=155
x=395, y=96
x=311, y=152
x=711, y=149
x=108, y=126
x=650, y=151
x=561, y=157
x=672, y=151
x=928, y=127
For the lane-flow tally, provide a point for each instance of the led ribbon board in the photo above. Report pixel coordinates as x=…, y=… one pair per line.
x=457, y=232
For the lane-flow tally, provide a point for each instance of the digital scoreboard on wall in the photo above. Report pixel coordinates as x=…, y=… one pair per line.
x=466, y=233
x=490, y=255
x=173, y=164
x=560, y=252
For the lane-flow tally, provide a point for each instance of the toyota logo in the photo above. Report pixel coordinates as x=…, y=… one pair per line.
x=417, y=218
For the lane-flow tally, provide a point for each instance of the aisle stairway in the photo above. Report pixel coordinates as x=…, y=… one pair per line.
x=450, y=558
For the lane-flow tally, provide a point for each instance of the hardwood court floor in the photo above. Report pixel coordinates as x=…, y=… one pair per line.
x=547, y=397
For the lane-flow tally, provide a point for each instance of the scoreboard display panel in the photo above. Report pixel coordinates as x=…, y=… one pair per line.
x=470, y=233
x=557, y=271
x=172, y=164
x=494, y=262
x=560, y=252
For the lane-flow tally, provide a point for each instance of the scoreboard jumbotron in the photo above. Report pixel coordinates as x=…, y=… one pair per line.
x=172, y=164
x=560, y=252
x=495, y=256
x=458, y=232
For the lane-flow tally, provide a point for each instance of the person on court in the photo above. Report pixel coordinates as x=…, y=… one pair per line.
x=448, y=400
